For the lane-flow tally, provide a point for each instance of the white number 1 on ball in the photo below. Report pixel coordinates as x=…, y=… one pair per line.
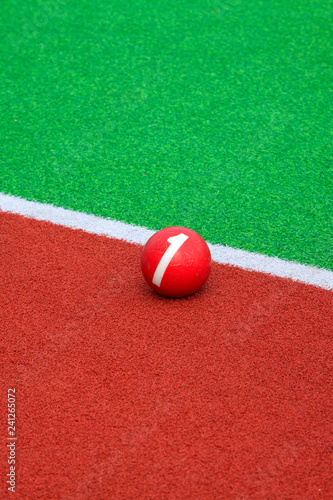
x=176, y=243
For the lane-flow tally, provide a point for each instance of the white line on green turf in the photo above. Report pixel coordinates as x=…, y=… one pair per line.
x=311, y=275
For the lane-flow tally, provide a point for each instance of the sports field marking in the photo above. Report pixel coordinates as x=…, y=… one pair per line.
x=311, y=275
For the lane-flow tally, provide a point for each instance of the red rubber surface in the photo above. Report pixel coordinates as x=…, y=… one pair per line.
x=126, y=394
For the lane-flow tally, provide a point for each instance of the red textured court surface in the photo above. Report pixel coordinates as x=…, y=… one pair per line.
x=125, y=394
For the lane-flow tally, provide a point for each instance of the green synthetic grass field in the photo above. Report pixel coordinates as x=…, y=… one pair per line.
x=212, y=115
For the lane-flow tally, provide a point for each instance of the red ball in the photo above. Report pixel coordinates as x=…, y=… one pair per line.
x=176, y=261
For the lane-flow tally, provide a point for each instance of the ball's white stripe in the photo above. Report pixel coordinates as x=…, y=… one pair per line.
x=311, y=275
x=176, y=243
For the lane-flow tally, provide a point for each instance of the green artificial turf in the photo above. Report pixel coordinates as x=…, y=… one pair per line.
x=209, y=114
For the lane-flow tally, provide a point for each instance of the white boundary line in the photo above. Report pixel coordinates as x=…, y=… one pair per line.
x=311, y=275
